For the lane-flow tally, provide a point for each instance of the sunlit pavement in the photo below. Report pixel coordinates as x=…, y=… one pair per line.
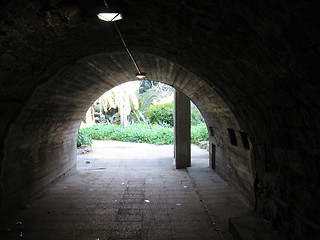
x=130, y=191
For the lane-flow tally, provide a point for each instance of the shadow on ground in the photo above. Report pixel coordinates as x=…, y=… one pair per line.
x=130, y=191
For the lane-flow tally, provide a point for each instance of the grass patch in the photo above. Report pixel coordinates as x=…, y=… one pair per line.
x=199, y=133
x=83, y=138
x=140, y=133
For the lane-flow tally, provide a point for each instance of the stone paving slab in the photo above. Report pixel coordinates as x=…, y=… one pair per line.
x=137, y=197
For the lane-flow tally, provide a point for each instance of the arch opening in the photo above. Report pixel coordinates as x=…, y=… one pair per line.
x=141, y=112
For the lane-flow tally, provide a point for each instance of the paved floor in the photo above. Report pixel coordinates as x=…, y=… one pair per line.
x=130, y=191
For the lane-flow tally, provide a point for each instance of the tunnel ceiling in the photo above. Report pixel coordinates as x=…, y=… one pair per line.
x=64, y=99
x=253, y=54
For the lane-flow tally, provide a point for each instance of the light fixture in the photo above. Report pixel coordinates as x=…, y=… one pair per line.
x=140, y=75
x=111, y=16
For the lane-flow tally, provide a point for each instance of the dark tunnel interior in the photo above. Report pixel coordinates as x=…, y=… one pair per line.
x=252, y=68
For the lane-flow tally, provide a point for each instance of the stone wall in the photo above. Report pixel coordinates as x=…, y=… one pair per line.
x=40, y=144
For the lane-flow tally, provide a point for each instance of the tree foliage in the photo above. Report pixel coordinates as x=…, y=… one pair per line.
x=162, y=114
x=123, y=98
x=138, y=101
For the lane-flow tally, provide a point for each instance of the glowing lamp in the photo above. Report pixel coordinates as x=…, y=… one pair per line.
x=110, y=16
x=140, y=75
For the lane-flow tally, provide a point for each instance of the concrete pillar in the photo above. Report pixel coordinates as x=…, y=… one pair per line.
x=182, y=130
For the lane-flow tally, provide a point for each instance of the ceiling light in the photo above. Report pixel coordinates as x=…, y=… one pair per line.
x=140, y=75
x=109, y=16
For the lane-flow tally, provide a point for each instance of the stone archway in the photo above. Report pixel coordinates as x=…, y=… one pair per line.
x=41, y=143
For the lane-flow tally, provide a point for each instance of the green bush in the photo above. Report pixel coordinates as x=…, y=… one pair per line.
x=195, y=117
x=199, y=133
x=162, y=113
x=141, y=133
x=83, y=139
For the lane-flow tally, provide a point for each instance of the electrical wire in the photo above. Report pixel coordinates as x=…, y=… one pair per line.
x=128, y=51
x=124, y=43
x=105, y=3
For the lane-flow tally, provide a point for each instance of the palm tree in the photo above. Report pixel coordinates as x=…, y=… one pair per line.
x=89, y=118
x=123, y=98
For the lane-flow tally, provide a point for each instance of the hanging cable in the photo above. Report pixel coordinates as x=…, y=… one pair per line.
x=105, y=3
x=128, y=51
x=115, y=17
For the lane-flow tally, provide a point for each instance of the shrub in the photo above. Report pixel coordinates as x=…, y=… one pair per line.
x=195, y=117
x=83, y=139
x=199, y=133
x=162, y=113
x=141, y=133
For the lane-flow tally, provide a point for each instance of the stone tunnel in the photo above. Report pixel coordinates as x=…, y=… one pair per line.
x=251, y=67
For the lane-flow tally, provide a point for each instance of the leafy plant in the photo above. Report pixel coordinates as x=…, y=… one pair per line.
x=141, y=133
x=162, y=113
x=147, y=133
x=123, y=98
x=83, y=139
x=199, y=133
x=195, y=117
x=147, y=98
